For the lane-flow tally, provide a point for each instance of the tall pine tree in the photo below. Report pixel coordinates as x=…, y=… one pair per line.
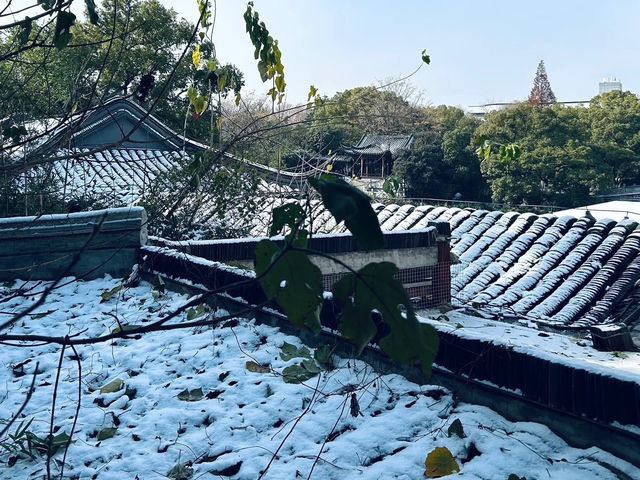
x=541, y=93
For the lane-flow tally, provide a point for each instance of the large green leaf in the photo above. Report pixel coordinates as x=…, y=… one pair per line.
x=347, y=203
x=301, y=372
x=374, y=290
x=91, y=11
x=288, y=351
x=293, y=281
x=23, y=36
x=62, y=34
x=287, y=215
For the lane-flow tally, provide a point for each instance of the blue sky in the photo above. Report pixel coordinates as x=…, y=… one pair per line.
x=481, y=50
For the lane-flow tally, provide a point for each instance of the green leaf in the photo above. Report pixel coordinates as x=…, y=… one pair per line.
x=256, y=367
x=373, y=289
x=288, y=215
x=48, y=443
x=425, y=57
x=191, y=395
x=347, y=203
x=62, y=34
x=440, y=463
x=293, y=281
x=195, y=312
x=311, y=366
x=200, y=104
x=301, y=372
x=26, y=26
x=262, y=69
x=113, y=386
x=222, y=80
x=322, y=355
x=192, y=94
x=91, y=11
x=108, y=294
x=106, y=433
x=288, y=351
x=456, y=429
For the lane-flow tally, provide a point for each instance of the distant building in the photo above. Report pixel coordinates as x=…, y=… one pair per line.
x=373, y=156
x=480, y=111
x=610, y=84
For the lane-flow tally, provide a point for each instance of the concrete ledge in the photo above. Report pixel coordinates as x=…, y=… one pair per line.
x=45, y=247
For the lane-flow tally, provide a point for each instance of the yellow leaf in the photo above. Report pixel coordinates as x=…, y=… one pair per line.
x=440, y=463
x=212, y=64
x=196, y=56
x=238, y=98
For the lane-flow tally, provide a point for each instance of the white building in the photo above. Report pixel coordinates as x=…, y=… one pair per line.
x=610, y=84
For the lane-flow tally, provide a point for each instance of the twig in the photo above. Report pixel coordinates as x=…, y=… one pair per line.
x=53, y=411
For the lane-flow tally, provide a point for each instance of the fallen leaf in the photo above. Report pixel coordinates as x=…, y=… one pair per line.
x=440, y=463
x=456, y=429
x=191, y=395
x=256, y=367
x=113, y=386
x=106, y=433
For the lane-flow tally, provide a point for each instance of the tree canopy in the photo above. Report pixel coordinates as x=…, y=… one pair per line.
x=568, y=154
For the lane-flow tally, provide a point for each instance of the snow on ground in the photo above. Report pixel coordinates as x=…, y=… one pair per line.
x=232, y=420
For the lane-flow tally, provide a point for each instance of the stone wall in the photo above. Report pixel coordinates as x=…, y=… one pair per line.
x=85, y=245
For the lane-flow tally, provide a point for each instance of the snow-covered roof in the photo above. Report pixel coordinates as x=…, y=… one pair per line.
x=123, y=134
x=616, y=210
x=556, y=270
x=212, y=403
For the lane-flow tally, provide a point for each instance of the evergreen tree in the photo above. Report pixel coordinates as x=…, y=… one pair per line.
x=541, y=93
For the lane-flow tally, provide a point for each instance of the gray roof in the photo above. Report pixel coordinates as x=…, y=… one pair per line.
x=556, y=271
x=374, y=144
x=119, y=175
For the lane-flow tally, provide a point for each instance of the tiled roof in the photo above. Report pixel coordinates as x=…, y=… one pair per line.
x=120, y=175
x=372, y=144
x=557, y=271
